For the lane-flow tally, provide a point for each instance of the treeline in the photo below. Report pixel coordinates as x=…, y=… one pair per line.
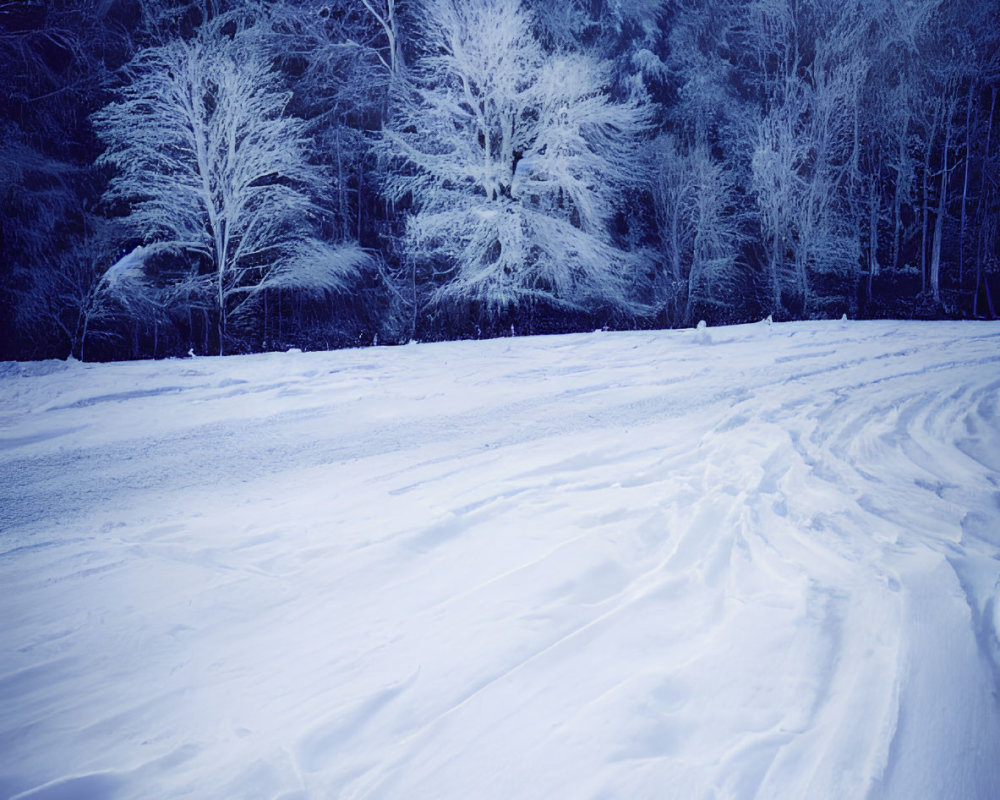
x=230, y=176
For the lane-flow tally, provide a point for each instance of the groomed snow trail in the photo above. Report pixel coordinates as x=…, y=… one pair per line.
x=754, y=562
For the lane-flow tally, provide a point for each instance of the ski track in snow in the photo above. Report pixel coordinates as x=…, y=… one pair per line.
x=762, y=563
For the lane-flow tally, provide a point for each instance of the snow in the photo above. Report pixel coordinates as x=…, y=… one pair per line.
x=129, y=267
x=756, y=561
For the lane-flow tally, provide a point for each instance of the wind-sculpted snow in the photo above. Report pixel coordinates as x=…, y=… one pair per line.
x=759, y=561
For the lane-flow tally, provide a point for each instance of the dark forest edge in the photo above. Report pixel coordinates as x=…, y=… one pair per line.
x=223, y=176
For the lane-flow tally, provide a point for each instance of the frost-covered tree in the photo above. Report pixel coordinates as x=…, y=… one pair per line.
x=344, y=55
x=52, y=70
x=699, y=228
x=515, y=161
x=386, y=14
x=213, y=170
x=38, y=198
x=805, y=150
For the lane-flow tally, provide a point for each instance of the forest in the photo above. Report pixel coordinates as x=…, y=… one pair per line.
x=229, y=176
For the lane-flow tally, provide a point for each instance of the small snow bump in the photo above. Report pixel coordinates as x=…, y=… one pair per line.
x=701, y=335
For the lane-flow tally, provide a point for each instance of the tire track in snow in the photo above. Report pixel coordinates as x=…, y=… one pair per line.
x=920, y=446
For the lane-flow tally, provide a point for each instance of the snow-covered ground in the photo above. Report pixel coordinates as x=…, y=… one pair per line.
x=744, y=562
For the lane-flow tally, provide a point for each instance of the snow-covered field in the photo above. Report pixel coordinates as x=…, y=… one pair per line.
x=744, y=562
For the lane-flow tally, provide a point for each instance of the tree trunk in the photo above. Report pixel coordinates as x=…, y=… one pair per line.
x=965, y=188
x=776, y=260
x=982, y=200
x=341, y=191
x=675, y=267
x=222, y=315
x=413, y=288
x=873, y=266
x=925, y=212
x=898, y=198
x=83, y=337
x=939, y=221
x=694, y=271
x=361, y=176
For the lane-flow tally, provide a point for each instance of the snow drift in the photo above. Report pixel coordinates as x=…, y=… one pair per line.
x=758, y=561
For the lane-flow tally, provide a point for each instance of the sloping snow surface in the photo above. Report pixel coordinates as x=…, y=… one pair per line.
x=758, y=561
